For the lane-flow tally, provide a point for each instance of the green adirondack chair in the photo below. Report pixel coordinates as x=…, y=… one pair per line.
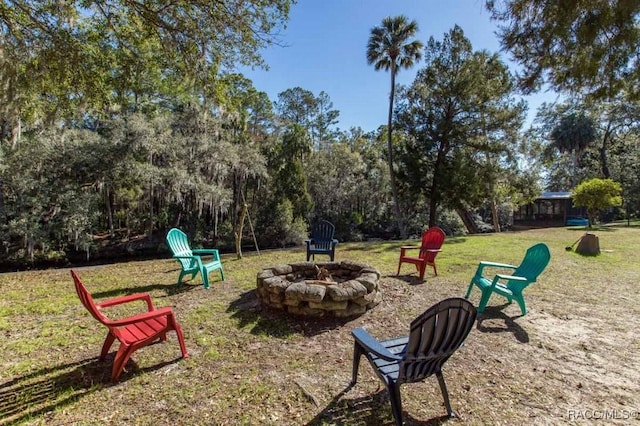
x=511, y=286
x=190, y=260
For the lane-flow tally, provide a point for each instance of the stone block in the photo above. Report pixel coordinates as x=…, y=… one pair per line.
x=276, y=285
x=329, y=305
x=308, y=293
x=369, y=280
x=352, y=309
x=306, y=311
x=346, y=291
x=265, y=273
x=376, y=300
x=282, y=269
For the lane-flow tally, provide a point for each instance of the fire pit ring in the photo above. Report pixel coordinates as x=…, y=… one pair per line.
x=339, y=289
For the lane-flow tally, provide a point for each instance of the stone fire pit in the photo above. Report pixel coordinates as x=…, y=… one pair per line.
x=340, y=289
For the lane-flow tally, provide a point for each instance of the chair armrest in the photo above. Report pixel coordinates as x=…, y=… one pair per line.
x=431, y=250
x=126, y=299
x=162, y=312
x=185, y=256
x=370, y=344
x=207, y=252
x=483, y=264
x=511, y=277
x=499, y=277
x=334, y=241
x=404, y=249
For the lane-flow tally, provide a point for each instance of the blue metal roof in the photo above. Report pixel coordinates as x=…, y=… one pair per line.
x=555, y=196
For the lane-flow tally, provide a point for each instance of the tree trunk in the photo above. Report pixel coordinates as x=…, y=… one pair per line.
x=604, y=161
x=238, y=232
x=392, y=177
x=494, y=216
x=467, y=220
x=108, y=200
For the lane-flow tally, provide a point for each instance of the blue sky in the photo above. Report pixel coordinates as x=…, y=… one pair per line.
x=324, y=48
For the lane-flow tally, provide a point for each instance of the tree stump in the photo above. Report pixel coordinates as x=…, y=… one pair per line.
x=589, y=245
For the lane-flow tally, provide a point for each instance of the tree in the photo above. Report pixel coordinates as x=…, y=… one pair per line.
x=580, y=46
x=597, y=195
x=315, y=114
x=76, y=56
x=573, y=134
x=390, y=48
x=461, y=123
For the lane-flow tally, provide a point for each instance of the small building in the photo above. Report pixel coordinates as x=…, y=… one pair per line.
x=549, y=209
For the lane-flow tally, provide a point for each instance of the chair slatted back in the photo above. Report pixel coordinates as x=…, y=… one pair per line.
x=432, y=239
x=179, y=245
x=535, y=261
x=322, y=234
x=87, y=300
x=434, y=337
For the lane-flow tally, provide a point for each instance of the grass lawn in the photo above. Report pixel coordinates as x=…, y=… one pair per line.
x=576, y=350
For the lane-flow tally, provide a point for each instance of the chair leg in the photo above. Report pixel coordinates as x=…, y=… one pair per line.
x=183, y=347
x=435, y=271
x=520, y=300
x=222, y=273
x=106, y=346
x=399, y=263
x=422, y=269
x=445, y=394
x=396, y=402
x=205, y=277
x=484, y=299
x=357, y=354
x=466, y=296
x=122, y=356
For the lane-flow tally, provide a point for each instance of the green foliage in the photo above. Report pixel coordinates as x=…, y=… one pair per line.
x=597, y=195
x=460, y=125
x=574, y=133
x=583, y=47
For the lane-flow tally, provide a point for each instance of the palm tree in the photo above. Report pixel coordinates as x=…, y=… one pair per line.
x=390, y=48
x=573, y=135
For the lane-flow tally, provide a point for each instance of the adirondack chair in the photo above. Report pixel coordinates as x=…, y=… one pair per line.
x=190, y=260
x=322, y=241
x=432, y=240
x=132, y=332
x=434, y=336
x=535, y=261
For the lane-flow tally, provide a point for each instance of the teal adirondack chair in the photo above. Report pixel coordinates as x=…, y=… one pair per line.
x=511, y=286
x=191, y=260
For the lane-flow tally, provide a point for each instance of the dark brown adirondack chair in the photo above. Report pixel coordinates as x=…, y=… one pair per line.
x=432, y=240
x=322, y=241
x=132, y=332
x=434, y=337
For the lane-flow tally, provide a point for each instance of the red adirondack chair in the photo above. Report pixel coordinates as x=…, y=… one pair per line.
x=432, y=240
x=132, y=332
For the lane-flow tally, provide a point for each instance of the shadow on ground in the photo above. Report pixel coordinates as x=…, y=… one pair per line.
x=372, y=410
x=49, y=389
x=247, y=310
x=510, y=325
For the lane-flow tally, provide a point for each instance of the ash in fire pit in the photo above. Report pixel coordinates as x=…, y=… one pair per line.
x=341, y=289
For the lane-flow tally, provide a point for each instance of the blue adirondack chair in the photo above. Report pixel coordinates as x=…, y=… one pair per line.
x=434, y=336
x=511, y=286
x=190, y=260
x=322, y=241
